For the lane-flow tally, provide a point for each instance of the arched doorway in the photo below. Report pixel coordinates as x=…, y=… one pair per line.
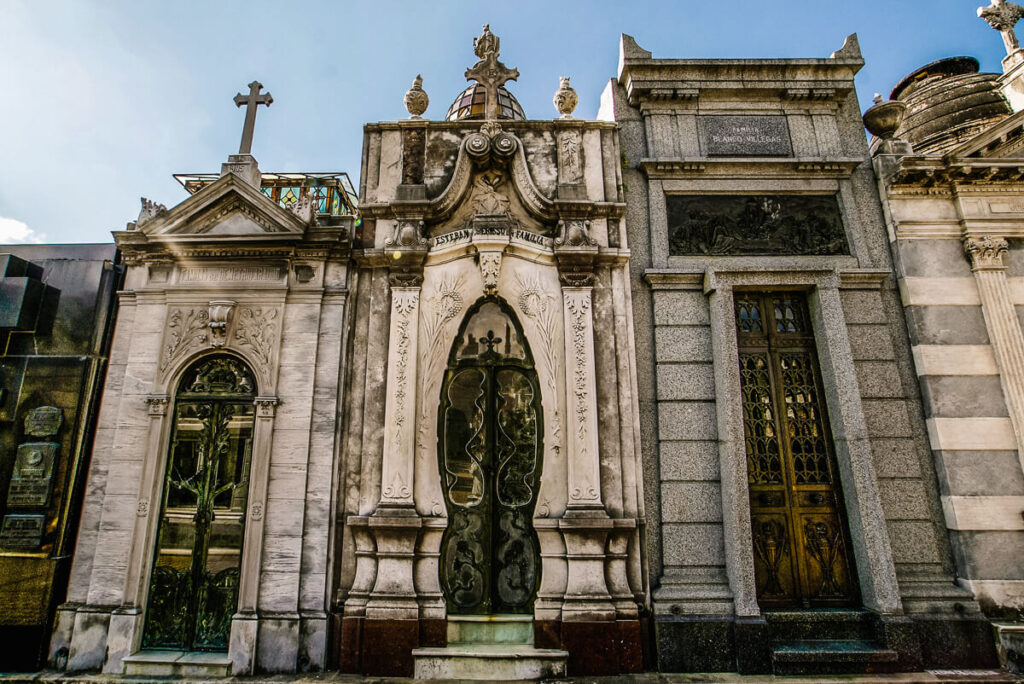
x=490, y=431
x=193, y=590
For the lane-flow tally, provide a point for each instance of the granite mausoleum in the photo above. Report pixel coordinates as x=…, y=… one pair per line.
x=703, y=384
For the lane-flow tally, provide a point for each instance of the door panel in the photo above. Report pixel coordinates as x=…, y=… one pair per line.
x=490, y=453
x=801, y=547
x=194, y=583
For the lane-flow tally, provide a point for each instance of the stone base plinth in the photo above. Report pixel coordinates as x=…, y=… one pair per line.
x=490, y=662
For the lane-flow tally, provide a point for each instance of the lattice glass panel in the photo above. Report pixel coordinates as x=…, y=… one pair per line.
x=748, y=315
x=789, y=315
x=804, y=425
x=764, y=465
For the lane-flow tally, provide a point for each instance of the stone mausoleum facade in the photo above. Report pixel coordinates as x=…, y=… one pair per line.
x=704, y=384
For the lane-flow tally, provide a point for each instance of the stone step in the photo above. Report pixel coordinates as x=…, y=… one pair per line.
x=490, y=662
x=198, y=664
x=821, y=656
x=827, y=624
x=490, y=629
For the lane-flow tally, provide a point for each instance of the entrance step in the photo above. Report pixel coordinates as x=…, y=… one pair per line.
x=813, y=656
x=177, y=664
x=490, y=661
x=825, y=624
x=490, y=629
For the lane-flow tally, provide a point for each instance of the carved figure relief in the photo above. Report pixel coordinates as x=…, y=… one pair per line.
x=490, y=270
x=569, y=156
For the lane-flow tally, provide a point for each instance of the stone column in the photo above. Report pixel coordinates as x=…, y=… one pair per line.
x=1004, y=331
x=245, y=622
x=391, y=628
x=586, y=525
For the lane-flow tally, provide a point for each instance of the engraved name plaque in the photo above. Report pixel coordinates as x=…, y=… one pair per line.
x=745, y=136
x=22, y=531
x=32, y=479
x=43, y=421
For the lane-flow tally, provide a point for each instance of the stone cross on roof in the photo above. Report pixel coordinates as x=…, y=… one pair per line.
x=251, y=101
x=1003, y=16
x=489, y=72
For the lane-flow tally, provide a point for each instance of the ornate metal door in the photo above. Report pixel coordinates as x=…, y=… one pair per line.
x=801, y=546
x=193, y=591
x=489, y=447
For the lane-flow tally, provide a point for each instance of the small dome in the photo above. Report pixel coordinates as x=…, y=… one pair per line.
x=948, y=101
x=470, y=105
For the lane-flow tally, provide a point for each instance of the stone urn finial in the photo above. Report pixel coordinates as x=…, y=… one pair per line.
x=565, y=98
x=416, y=99
x=884, y=118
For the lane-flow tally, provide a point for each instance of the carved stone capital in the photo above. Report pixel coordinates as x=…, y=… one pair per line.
x=405, y=278
x=158, y=404
x=985, y=252
x=577, y=278
x=265, y=406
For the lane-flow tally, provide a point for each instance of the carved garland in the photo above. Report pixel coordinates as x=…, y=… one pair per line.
x=256, y=331
x=579, y=309
x=404, y=306
x=186, y=329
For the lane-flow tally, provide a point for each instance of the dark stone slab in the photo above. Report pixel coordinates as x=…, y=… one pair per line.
x=955, y=643
x=547, y=634
x=712, y=225
x=433, y=633
x=753, y=647
x=593, y=648
x=386, y=647
x=695, y=644
x=745, y=136
x=630, y=646
x=349, y=644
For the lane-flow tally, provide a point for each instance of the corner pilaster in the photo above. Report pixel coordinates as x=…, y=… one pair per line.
x=986, y=256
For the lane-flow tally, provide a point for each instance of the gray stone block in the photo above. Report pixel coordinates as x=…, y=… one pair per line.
x=995, y=555
x=691, y=502
x=896, y=457
x=683, y=343
x=980, y=473
x=934, y=259
x=689, y=461
x=693, y=544
x=686, y=381
x=863, y=307
x=680, y=307
x=879, y=380
x=962, y=396
x=871, y=343
x=887, y=418
x=687, y=420
x=914, y=542
x=904, y=499
x=946, y=325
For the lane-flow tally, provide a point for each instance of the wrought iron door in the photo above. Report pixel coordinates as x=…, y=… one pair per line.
x=193, y=590
x=802, y=556
x=489, y=448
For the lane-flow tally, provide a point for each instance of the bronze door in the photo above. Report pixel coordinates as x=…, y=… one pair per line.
x=489, y=448
x=193, y=590
x=802, y=556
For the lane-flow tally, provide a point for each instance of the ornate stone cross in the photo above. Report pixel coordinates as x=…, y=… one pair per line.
x=251, y=101
x=489, y=72
x=1003, y=16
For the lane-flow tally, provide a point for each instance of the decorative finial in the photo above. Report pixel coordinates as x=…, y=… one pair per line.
x=884, y=118
x=565, y=98
x=877, y=99
x=489, y=72
x=416, y=99
x=1003, y=16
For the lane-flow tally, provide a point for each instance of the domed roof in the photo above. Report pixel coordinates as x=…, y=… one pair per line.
x=471, y=102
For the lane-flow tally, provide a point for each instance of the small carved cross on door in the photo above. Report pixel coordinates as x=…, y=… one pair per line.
x=251, y=101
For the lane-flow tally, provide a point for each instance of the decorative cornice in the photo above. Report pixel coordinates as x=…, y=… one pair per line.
x=919, y=172
x=985, y=252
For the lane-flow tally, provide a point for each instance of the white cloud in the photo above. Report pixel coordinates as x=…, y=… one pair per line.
x=14, y=232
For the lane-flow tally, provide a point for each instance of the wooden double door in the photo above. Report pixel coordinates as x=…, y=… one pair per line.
x=802, y=554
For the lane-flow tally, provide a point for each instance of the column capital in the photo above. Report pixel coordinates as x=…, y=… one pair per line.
x=985, y=251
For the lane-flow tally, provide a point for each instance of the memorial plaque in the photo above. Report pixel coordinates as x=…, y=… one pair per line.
x=43, y=421
x=745, y=136
x=32, y=479
x=22, y=531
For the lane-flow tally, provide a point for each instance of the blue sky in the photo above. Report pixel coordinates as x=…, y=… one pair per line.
x=103, y=101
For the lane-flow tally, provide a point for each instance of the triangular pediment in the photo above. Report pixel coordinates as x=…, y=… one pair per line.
x=1003, y=140
x=228, y=209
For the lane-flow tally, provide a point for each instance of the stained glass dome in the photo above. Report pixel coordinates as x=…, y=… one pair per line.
x=470, y=105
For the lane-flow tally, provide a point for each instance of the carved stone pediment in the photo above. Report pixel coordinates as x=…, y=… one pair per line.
x=227, y=208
